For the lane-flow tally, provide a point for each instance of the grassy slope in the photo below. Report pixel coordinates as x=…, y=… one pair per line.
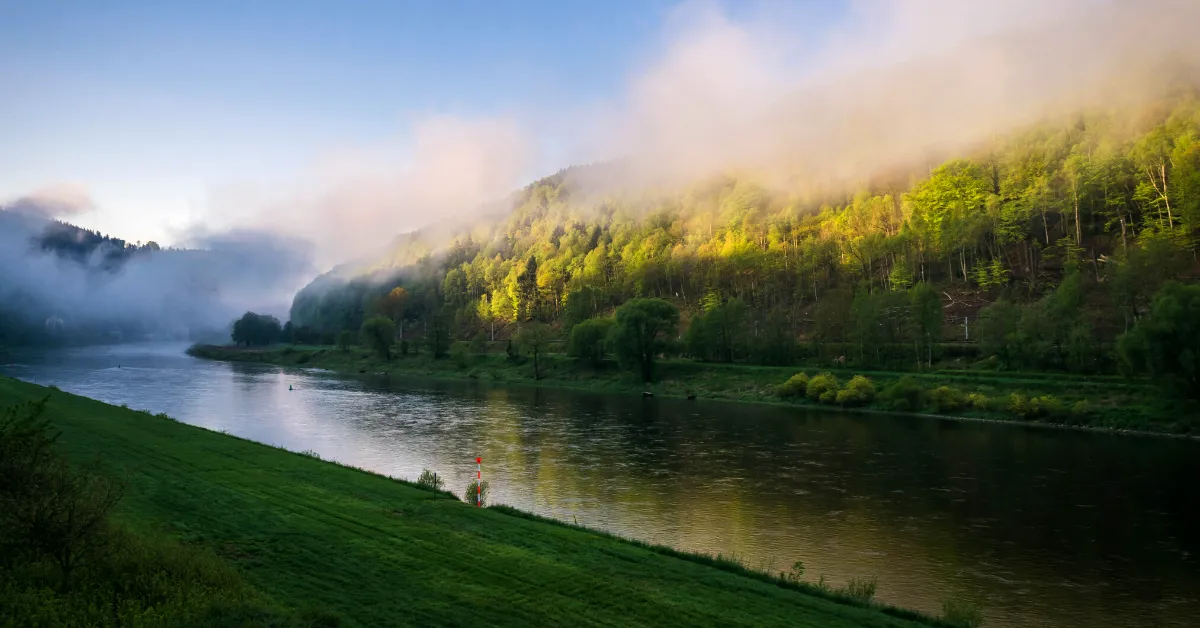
x=1113, y=402
x=382, y=552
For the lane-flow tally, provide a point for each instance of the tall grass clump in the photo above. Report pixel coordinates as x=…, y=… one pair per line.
x=861, y=589
x=961, y=613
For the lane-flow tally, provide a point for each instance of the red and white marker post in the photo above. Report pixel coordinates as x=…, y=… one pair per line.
x=478, y=481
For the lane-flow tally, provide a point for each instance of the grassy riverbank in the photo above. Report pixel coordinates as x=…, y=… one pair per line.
x=376, y=551
x=1105, y=402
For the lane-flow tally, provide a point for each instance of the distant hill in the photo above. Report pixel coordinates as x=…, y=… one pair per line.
x=62, y=284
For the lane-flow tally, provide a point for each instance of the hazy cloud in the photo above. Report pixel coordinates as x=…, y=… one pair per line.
x=59, y=200
x=898, y=81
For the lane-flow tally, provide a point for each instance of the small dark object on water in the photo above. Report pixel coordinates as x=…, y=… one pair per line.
x=691, y=396
x=289, y=386
x=647, y=394
x=362, y=370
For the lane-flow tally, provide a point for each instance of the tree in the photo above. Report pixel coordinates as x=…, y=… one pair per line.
x=1166, y=343
x=580, y=305
x=718, y=332
x=377, y=333
x=527, y=291
x=393, y=307
x=437, y=334
x=345, y=339
x=588, y=340
x=995, y=330
x=642, y=329
x=925, y=312
x=533, y=339
x=256, y=329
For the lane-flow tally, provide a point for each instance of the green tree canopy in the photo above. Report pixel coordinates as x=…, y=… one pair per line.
x=642, y=329
x=589, y=338
x=1166, y=343
x=377, y=333
x=256, y=329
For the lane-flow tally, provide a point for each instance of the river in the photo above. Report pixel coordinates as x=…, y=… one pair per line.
x=1041, y=527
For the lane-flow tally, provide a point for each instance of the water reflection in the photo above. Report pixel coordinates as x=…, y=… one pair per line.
x=1044, y=528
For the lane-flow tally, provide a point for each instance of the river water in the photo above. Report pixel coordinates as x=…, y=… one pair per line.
x=1040, y=527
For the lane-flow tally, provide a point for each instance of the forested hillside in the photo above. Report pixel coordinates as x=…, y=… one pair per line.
x=1036, y=250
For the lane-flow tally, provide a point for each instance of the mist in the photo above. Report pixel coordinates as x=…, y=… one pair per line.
x=61, y=283
x=902, y=81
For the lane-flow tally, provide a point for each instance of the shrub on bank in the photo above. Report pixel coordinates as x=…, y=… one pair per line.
x=461, y=355
x=430, y=480
x=476, y=493
x=859, y=391
x=904, y=395
x=795, y=386
x=822, y=388
x=980, y=401
x=947, y=399
x=1044, y=407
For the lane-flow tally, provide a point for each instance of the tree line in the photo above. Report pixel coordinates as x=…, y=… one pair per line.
x=1037, y=251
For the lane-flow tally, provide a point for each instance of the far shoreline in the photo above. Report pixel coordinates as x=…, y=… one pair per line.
x=270, y=356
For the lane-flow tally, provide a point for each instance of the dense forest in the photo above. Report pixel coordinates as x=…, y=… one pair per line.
x=1036, y=250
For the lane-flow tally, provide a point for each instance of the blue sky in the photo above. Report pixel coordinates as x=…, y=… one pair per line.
x=149, y=105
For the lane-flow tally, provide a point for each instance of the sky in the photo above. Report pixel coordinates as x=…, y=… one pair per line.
x=174, y=118
x=335, y=127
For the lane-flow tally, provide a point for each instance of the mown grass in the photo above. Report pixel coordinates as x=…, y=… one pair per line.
x=1109, y=402
x=381, y=552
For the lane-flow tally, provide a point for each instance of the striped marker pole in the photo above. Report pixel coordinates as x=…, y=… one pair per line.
x=478, y=481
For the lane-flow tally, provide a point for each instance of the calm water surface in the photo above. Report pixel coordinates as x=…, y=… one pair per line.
x=1041, y=527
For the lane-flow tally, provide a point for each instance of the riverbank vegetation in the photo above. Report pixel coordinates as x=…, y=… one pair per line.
x=218, y=531
x=1065, y=250
x=1098, y=401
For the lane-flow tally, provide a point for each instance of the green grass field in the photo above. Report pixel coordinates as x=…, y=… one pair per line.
x=381, y=552
x=1097, y=401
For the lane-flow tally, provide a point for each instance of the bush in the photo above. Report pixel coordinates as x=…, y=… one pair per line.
x=904, y=395
x=1044, y=407
x=476, y=493
x=588, y=340
x=961, y=613
x=460, y=354
x=429, y=479
x=979, y=401
x=795, y=386
x=822, y=388
x=479, y=343
x=859, y=391
x=861, y=589
x=947, y=399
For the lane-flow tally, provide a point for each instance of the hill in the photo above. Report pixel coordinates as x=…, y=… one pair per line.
x=1071, y=226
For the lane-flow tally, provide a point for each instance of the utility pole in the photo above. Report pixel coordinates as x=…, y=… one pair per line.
x=967, y=327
